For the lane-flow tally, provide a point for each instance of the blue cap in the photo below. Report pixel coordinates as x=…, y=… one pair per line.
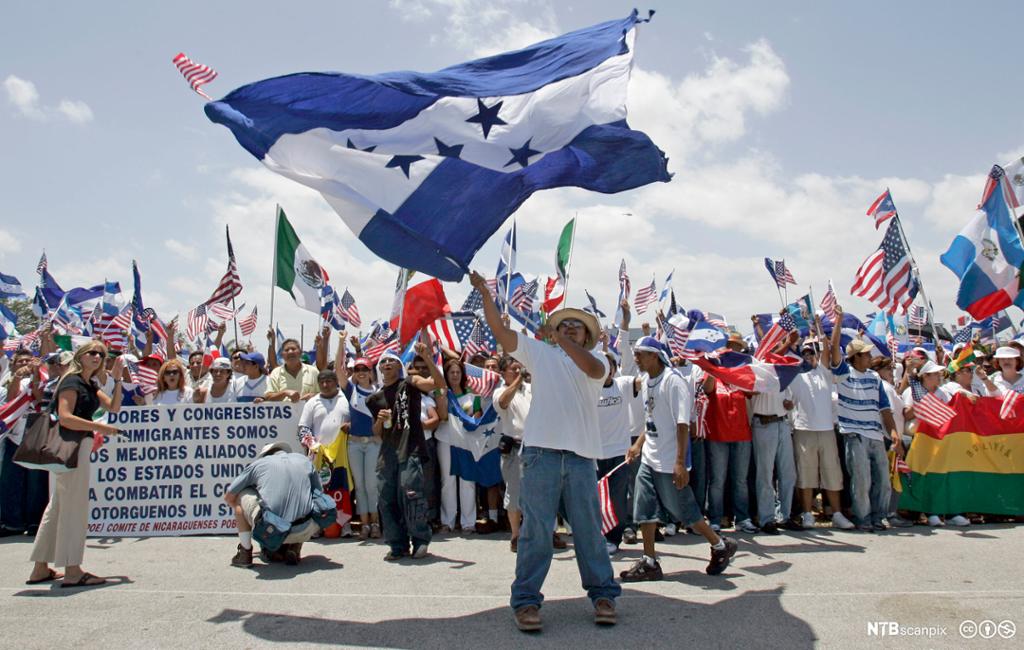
x=255, y=357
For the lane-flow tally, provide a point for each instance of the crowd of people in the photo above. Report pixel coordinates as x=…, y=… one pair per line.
x=681, y=451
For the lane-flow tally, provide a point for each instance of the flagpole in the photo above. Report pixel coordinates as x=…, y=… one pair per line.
x=929, y=310
x=508, y=270
x=273, y=266
x=234, y=307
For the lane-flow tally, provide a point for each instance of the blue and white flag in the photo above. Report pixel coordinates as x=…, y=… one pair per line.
x=705, y=337
x=8, y=323
x=112, y=303
x=39, y=305
x=50, y=289
x=474, y=445
x=425, y=167
x=507, y=263
x=10, y=287
x=140, y=324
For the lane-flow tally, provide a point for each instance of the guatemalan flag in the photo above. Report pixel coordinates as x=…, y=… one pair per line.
x=987, y=255
x=474, y=445
x=425, y=167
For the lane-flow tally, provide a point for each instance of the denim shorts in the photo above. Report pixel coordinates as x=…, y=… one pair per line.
x=655, y=493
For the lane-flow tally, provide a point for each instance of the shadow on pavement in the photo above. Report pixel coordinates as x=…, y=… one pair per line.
x=733, y=622
x=54, y=590
x=281, y=571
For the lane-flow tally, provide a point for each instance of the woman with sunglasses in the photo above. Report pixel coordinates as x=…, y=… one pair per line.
x=62, y=532
x=363, y=445
x=171, y=387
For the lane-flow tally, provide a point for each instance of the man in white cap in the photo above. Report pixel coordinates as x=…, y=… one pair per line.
x=561, y=440
x=865, y=418
x=283, y=483
x=662, y=482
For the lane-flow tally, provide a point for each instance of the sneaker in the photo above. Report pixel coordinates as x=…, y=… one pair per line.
x=292, y=554
x=444, y=530
x=807, y=519
x=746, y=526
x=716, y=528
x=770, y=528
x=880, y=526
x=866, y=528
x=346, y=530
x=629, y=536
x=604, y=611
x=793, y=524
x=720, y=559
x=374, y=531
x=558, y=542
x=958, y=520
x=897, y=521
x=934, y=521
x=642, y=572
x=528, y=618
x=420, y=552
x=364, y=532
x=395, y=556
x=840, y=521
x=671, y=530
x=243, y=557
x=611, y=548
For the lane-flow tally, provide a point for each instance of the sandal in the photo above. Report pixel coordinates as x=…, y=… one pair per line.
x=87, y=580
x=52, y=575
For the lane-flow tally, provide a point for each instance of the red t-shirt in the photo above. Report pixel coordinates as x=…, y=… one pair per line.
x=727, y=415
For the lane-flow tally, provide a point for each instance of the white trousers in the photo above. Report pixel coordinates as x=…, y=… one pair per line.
x=455, y=492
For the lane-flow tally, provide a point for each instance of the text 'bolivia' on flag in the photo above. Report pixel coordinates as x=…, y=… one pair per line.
x=425, y=167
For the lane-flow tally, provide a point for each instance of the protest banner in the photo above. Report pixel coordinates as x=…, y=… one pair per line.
x=168, y=473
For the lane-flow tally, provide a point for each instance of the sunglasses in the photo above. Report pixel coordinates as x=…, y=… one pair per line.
x=571, y=322
x=172, y=372
x=93, y=353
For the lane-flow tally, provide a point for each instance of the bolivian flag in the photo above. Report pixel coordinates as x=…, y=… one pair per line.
x=975, y=463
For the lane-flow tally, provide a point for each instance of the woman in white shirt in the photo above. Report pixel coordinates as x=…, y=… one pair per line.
x=223, y=388
x=1009, y=377
x=171, y=388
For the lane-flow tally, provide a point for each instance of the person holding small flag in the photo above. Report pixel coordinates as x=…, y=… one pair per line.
x=662, y=482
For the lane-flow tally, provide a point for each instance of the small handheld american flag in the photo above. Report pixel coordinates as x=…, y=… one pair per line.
x=1009, y=407
x=195, y=74
x=933, y=411
x=609, y=519
x=645, y=297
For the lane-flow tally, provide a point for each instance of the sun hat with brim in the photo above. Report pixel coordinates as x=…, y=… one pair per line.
x=588, y=320
x=857, y=346
x=1006, y=352
x=274, y=446
x=930, y=366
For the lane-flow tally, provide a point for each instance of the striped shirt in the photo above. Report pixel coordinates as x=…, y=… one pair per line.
x=861, y=401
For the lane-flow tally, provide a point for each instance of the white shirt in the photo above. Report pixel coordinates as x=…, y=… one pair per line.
x=230, y=394
x=634, y=403
x=563, y=412
x=322, y=417
x=170, y=397
x=897, y=404
x=248, y=389
x=812, y=392
x=513, y=418
x=426, y=403
x=204, y=381
x=1004, y=386
x=667, y=401
x=613, y=416
x=770, y=403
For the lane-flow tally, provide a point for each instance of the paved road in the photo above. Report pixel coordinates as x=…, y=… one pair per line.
x=817, y=588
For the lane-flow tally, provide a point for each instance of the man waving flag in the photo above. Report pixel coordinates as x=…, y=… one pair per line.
x=424, y=167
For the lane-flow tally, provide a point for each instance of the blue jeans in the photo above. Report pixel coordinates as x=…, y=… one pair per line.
x=617, y=486
x=773, y=457
x=870, y=486
x=24, y=493
x=699, y=473
x=362, y=460
x=551, y=476
x=403, y=502
x=728, y=460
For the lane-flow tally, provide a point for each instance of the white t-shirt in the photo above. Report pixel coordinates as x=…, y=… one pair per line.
x=171, y=397
x=249, y=389
x=613, y=416
x=812, y=392
x=1005, y=386
x=897, y=405
x=426, y=403
x=513, y=419
x=563, y=411
x=770, y=403
x=322, y=417
x=204, y=381
x=230, y=394
x=668, y=401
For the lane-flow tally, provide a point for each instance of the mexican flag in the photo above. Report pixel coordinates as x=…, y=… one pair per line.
x=295, y=270
x=554, y=290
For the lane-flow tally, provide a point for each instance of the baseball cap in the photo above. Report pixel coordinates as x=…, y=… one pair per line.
x=221, y=363
x=254, y=357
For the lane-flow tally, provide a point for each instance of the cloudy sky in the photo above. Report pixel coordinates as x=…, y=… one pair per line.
x=782, y=122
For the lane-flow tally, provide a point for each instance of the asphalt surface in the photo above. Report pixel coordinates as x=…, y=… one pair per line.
x=815, y=588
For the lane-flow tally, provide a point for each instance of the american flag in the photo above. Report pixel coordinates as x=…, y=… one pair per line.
x=717, y=320
x=375, y=347
x=247, y=325
x=523, y=297
x=159, y=332
x=198, y=321
x=828, y=303
x=882, y=209
x=143, y=376
x=481, y=381
x=609, y=520
x=222, y=312
x=932, y=410
x=230, y=284
x=675, y=338
x=480, y=341
x=112, y=330
x=777, y=269
x=474, y=302
x=195, y=74
x=916, y=316
x=963, y=335
x=893, y=344
x=14, y=409
x=645, y=297
x=349, y=309
x=1009, y=407
x=443, y=331
x=775, y=335
x=886, y=278
x=624, y=286
x=41, y=267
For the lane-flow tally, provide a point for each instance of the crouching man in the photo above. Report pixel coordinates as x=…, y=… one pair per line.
x=282, y=483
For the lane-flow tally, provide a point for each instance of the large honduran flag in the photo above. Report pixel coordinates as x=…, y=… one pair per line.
x=425, y=167
x=987, y=256
x=474, y=445
x=745, y=372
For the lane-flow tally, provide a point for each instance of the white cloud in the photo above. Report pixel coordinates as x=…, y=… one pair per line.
x=183, y=251
x=8, y=243
x=24, y=97
x=75, y=111
x=22, y=94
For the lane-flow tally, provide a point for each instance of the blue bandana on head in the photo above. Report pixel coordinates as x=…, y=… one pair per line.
x=651, y=344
